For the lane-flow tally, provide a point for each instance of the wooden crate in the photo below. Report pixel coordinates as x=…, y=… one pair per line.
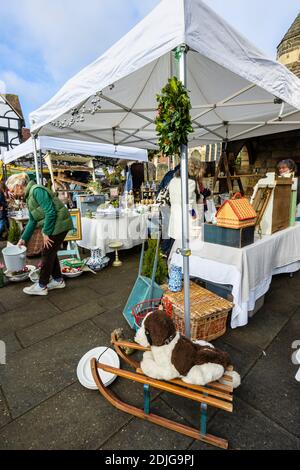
x=208, y=313
x=237, y=238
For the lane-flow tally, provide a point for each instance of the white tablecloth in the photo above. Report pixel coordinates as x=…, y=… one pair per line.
x=128, y=229
x=249, y=270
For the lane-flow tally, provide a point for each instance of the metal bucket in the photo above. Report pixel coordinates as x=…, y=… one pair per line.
x=14, y=257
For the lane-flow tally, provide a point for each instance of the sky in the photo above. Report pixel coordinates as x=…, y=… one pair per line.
x=43, y=43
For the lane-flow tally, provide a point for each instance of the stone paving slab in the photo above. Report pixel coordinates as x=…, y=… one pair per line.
x=271, y=386
x=71, y=297
x=264, y=325
x=188, y=409
x=2, y=309
x=112, y=319
x=293, y=286
x=32, y=311
x=139, y=434
x=98, y=284
x=115, y=300
x=242, y=361
x=36, y=373
x=13, y=297
x=75, y=418
x=4, y=412
x=59, y=323
x=12, y=344
x=248, y=429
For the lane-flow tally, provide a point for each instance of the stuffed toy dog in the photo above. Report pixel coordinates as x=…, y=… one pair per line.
x=174, y=356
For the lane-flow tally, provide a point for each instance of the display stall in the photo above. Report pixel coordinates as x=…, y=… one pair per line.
x=248, y=270
x=232, y=97
x=64, y=160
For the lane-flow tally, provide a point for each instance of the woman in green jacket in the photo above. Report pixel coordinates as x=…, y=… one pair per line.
x=49, y=213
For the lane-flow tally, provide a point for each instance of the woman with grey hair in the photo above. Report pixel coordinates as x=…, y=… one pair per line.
x=47, y=212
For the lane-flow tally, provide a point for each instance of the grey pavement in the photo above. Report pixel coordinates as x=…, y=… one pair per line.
x=43, y=406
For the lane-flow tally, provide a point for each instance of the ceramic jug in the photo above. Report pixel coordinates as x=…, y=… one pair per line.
x=175, y=278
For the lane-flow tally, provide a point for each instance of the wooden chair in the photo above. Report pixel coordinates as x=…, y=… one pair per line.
x=216, y=394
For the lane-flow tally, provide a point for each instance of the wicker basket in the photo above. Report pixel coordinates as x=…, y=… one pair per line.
x=208, y=313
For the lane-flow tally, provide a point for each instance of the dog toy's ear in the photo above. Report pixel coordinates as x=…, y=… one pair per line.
x=140, y=336
x=159, y=328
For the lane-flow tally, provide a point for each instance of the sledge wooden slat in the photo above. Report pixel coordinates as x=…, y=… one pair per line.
x=159, y=420
x=128, y=344
x=219, y=386
x=199, y=388
x=167, y=387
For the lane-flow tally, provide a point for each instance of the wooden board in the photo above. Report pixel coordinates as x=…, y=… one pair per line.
x=281, y=207
x=261, y=201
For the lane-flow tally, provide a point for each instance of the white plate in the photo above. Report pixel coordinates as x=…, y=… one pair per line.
x=84, y=372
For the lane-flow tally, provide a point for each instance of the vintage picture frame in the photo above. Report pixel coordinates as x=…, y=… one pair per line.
x=76, y=232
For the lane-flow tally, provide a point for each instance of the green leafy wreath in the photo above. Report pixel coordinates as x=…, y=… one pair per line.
x=173, y=121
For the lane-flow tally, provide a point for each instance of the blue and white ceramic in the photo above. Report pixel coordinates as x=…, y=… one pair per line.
x=97, y=262
x=175, y=278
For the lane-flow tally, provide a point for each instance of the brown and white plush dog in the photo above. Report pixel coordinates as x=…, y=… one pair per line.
x=174, y=356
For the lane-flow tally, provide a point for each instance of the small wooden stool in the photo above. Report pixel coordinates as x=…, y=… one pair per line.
x=116, y=246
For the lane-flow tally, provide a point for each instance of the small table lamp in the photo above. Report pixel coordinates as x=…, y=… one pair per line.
x=116, y=246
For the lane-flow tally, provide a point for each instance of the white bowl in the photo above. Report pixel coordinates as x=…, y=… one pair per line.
x=20, y=277
x=73, y=274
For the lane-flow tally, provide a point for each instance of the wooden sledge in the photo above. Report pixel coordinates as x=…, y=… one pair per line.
x=218, y=395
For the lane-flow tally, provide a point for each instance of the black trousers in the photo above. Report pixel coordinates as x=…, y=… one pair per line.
x=50, y=262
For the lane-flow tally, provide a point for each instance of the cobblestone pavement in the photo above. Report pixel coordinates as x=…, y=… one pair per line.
x=42, y=405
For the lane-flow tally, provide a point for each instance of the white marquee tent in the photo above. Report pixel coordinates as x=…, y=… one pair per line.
x=59, y=145
x=236, y=92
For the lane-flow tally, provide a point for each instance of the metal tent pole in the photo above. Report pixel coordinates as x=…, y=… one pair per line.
x=36, y=162
x=41, y=165
x=185, y=250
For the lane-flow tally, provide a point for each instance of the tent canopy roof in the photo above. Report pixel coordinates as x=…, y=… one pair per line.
x=92, y=149
x=236, y=92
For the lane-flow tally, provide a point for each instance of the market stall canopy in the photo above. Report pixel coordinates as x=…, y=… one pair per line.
x=236, y=92
x=52, y=144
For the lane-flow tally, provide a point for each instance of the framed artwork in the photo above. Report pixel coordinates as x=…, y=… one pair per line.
x=76, y=232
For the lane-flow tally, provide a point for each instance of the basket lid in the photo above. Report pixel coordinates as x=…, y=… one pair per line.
x=203, y=302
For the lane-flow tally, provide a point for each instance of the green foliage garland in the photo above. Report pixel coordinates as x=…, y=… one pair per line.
x=14, y=232
x=173, y=121
x=161, y=271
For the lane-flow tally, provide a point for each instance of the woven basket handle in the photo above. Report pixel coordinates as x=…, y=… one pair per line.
x=237, y=196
